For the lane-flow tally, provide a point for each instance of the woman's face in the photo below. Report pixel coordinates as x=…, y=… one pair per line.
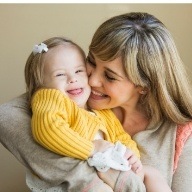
x=110, y=87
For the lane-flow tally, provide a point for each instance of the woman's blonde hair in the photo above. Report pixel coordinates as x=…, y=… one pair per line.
x=151, y=60
x=34, y=65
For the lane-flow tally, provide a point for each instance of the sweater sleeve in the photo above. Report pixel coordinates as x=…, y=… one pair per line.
x=116, y=131
x=126, y=139
x=129, y=181
x=52, y=124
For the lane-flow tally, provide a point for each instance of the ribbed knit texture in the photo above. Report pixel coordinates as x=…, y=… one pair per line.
x=115, y=130
x=62, y=127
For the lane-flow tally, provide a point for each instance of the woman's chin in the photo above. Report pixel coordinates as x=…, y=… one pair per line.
x=95, y=104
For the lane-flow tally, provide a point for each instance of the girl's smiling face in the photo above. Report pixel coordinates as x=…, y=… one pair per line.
x=64, y=69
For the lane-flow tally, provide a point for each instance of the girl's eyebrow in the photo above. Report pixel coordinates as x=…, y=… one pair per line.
x=108, y=69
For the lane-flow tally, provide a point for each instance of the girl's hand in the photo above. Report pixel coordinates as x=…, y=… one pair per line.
x=134, y=161
x=101, y=145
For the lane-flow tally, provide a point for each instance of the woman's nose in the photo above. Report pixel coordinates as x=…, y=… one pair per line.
x=95, y=79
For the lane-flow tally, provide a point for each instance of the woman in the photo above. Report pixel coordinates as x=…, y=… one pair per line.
x=134, y=68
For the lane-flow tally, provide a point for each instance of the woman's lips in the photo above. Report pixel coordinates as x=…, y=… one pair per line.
x=97, y=95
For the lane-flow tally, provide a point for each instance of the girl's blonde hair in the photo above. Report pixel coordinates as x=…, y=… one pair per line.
x=151, y=60
x=34, y=65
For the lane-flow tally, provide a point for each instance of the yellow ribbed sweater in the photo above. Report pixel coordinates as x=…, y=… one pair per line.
x=61, y=126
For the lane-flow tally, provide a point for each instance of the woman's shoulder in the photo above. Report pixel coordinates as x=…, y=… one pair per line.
x=184, y=132
x=17, y=103
x=14, y=115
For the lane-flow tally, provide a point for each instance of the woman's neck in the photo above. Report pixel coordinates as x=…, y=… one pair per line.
x=132, y=120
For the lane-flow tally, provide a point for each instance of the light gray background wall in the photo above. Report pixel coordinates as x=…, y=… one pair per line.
x=23, y=25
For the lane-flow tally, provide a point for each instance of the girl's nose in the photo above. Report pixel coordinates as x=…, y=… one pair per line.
x=71, y=80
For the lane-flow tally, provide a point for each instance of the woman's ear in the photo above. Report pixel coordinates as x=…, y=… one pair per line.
x=143, y=91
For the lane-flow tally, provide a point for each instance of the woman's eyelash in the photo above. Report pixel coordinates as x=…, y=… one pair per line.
x=109, y=78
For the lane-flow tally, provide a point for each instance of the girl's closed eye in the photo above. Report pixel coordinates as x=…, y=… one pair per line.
x=79, y=71
x=60, y=74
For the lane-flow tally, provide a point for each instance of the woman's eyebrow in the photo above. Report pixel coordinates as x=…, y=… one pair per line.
x=90, y=55
x=113, y=72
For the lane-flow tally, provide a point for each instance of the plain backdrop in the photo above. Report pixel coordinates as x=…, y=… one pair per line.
x=23, y=25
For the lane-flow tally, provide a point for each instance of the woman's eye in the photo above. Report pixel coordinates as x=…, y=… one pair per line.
x=109, y=77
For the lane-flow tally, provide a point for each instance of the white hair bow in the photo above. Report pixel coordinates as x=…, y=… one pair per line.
x=40, y=48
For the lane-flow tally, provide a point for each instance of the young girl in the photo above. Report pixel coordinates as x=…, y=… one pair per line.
x=58, y=90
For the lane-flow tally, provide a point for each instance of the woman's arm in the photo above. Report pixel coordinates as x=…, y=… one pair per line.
x=182, y=178
x=16, y=136
x=123, y=181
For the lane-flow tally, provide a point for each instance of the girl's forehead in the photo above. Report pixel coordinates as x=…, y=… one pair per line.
x=63, y=57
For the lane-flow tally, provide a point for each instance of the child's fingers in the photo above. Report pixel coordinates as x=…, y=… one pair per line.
x=101, y=145
x=132, y=159
x=128, y=154
x=137, y=166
